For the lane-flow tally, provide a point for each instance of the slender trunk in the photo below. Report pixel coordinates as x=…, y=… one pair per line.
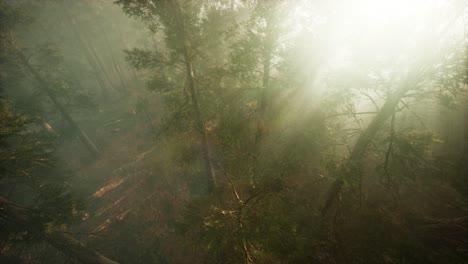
x=66, y=244
x=44, y=87
x=262, y=100
x=90, y=51
x=74, y=248
x=265, y=86
x=209, y=169
x=100, y=63
x=268, y=43
x=120, y=74
x=89, y=57
x=126, y=46
x=76, y=82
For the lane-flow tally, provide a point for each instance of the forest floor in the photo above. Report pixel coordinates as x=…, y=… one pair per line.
x=133, y=202
x=128, y=206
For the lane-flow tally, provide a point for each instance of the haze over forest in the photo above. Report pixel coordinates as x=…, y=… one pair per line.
x=233, y=131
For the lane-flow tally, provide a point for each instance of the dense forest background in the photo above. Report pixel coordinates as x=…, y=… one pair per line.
x=233, y=131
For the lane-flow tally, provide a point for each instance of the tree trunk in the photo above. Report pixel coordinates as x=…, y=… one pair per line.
x=44, y=87
x=117, y=68
x=126, y=46
x=100, y=63
x=262, y=100
x=62, y=242
x=89, y=57
x=331, y=207
x=209, y=169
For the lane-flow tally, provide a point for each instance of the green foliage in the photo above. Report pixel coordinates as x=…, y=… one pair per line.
x=29, y=177
x=450, y=77
x=142, y=59
x=29, y=172
x=406, y=156
x=11, y=17
x=280, y=127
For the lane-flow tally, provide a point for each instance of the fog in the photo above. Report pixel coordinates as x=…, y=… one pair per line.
x=233, y=131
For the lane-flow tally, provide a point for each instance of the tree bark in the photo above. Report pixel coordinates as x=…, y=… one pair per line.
x=44, y=87
x=183, y=35
x=66, y=244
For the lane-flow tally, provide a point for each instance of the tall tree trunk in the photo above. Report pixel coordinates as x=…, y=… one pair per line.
x=126, y=46
x=62, y=242
x=262, y=100
x=87, y=52
x=331, y=207
x=73, y=248
x=100, y=62
x=90, y=51
x=44, y=87
x=183, y=35
x=117, y=68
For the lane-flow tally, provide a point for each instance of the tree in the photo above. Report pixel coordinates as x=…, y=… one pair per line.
x=175, y=20
x=30, y=175
x=425, y=72
x=9, y=42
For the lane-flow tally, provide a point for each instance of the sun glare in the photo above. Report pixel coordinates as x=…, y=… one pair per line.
x=392, y=28
x=362, y=37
